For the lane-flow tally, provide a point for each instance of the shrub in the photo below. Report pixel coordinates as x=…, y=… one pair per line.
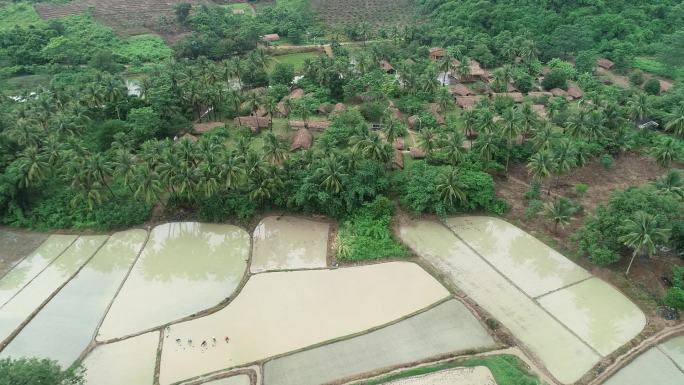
x=32, y=371
x=533, y=208
x=636, y=78
x=366, y=234
x=674, y=298
x=652, y=86
x=581, y=189
x=606, y=161
x=533, y=191
x=555, y=79
x=282, y=74
x=603, y=256
x=220, y=208
x=678, y=276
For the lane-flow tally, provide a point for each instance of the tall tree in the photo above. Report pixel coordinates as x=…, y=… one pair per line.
x=642, y=233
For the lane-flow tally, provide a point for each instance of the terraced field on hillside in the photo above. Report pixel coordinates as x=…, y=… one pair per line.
x=374, y=12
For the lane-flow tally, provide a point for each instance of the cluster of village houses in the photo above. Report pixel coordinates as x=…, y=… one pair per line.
x=458, y=83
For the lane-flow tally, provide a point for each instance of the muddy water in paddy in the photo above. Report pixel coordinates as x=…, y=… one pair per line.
x=184, y=268
x=529, y=263
x=289, y=243
x=284, y=311
x=596, y=312
x=21, y=306
x=33, y=264
x=235, y=380
x=127, y=362
x=15, y=245
x=567, y=357
x=78, y=308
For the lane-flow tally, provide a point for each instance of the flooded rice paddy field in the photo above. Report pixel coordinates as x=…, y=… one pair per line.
x=15, y=245
x=447, y=328
x=132, y=298
x=660, y=365
x=128, y=362
x=282, y=243
x=66, y=325
x=185, y=268
x=285, y=311
x=478, y=375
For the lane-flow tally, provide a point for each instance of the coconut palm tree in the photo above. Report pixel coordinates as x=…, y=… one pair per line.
x=454, y=152
x=148, y=184
x=559, y=211
x=642, y=233
x=231, y=170
x=528, y=120
x=445, y=66
x=639, y=107
x=393, y=129
x=509, y=128
x=564, y=157
x=274, y=149
x=470, y=121
x=427, y=140
x=450, y=189
x=32, y=165
x=671, y=183
x=444, y=99
x=541, y=165
x=331, y=173
x=665, y=151
x=487, y=146
x=675, y=121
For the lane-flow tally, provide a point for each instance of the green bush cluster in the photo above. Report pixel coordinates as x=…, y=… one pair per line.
x=366, y=234
x=33, y=371
x=675, y=295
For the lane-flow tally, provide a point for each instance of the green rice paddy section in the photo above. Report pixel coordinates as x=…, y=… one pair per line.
x=27, y=269
x=77, y=309
x=674, y=348
x=529, y=263
x=567, y=358
x=446, y=328
x=655, y=367
x=32, y=296
x=127, y=362
x=185, y=267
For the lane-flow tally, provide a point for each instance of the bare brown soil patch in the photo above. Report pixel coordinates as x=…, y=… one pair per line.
x=645, y=285
x=126, y=17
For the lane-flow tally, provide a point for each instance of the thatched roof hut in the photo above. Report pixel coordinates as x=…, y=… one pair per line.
x=475, y=73
x=540, y=110
x=282, y=109
x=190, y=137
x=399, y=143
x=254, y=123
x=398, y=160
x=296, y=93
x=575, y=92
x=387, y=67
x=558, y=92
x=467, y=102
x=665, y=85
x=436, y=53
x=202, y=128
x=339, y=107
x=270, y=37
x=412, y=121
x=511, y=88
x=516, y=96
x=312, y=124
x=541, y=94
x=434, y=108
x=302, y=140
x=396, y=114
x=460, y=90
x=605, y=63
x=417, y=153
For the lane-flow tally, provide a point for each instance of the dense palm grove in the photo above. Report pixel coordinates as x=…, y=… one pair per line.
x=84, y=153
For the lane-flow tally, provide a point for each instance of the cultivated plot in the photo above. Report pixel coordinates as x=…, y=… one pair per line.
x=567, y=358
x=478, y=375
x=27, y=301
x=184, y=268
x=15, y=245
x=242, y=379
x=282, y=243
x=33, y=264
x=66, y=325
x=529, y=263
x=447, y=328
x=129, y=362
x=597, y=313
x=279, y=312
x=660, y=365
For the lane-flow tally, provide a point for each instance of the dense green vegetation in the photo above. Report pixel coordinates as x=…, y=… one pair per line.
x=366, y=234
x=34, y=371
x=507, y=370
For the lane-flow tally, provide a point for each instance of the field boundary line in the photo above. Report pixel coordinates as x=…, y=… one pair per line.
x=39, y=273
x=564, y=326
x=625, y=359
x=564, y=287
x=4, y=343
